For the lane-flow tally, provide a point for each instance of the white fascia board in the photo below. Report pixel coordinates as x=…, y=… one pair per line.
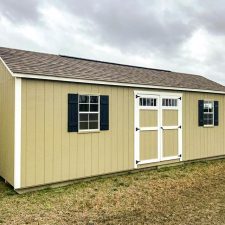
x=17, y=134
x=40, y=77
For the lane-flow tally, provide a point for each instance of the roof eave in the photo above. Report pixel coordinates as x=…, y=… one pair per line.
x=53, y=78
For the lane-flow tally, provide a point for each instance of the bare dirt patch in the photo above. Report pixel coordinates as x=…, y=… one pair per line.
x=189, y=194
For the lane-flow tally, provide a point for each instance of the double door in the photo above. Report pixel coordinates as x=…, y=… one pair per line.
x=158, y=127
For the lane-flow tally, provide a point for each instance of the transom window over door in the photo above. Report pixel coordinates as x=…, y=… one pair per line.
x=88, y=112
x=148, y=102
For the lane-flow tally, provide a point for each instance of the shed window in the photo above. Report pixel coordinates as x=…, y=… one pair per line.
x=88, y=112
x=208, y=115
x=148, y=102
x=169, y=102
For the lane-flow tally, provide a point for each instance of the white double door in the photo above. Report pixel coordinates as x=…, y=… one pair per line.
x=158, y=127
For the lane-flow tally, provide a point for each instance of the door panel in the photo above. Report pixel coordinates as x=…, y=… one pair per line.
x=158, y=128
x=148, y=145
x=148, y=118
x=170, y=117
x=170, y=143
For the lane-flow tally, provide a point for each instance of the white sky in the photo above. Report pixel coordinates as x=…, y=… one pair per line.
x=184, y=36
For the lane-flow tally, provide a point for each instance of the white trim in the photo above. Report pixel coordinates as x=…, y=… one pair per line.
x=160, y=128
x=170, y=158
x=148, y=128
x=170, y=127
x=180, y=123
x=136, y=133
x=41, y=77
x=11, y=73
x=17, y=134
x=148, y=161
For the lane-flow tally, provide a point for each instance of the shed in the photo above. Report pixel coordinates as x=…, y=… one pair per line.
x=65, y=118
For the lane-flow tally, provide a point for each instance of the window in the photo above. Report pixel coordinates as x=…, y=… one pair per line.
x=208, y=113
x=88, y=112
x=148, y=102
x=169, y=102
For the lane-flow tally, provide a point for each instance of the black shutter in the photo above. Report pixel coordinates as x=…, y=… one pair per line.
x=200, y=113
x=216, y=113
x=104, y=112
x=72, y=112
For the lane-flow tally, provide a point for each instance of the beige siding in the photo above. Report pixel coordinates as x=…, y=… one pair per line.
x=51, y=154
x=7, y=96
x=201, y=142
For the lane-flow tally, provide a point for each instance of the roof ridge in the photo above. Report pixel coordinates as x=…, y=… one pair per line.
x=113, y=63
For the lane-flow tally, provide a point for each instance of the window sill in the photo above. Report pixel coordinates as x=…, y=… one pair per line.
x=208, y=126
x=88, y=131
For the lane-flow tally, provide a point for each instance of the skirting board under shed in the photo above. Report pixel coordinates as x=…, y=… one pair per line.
x=95, y=178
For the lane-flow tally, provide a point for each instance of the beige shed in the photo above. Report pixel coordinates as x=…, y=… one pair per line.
x=65, y=118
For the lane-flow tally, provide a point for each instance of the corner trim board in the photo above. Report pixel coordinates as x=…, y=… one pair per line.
x=17, y=134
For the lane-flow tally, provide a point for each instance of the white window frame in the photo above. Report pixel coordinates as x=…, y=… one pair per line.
x=149, y=107
x=88, y=112
x=207, y=113
x=170, y=107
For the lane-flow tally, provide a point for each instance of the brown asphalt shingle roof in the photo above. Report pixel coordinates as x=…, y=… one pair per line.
x=34, y=63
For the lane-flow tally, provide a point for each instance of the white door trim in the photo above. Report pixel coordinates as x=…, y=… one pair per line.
x=160, y=128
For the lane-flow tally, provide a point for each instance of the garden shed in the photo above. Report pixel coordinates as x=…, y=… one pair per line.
x=64, y=118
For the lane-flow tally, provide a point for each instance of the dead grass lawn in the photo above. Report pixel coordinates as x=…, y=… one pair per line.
x=190, y=194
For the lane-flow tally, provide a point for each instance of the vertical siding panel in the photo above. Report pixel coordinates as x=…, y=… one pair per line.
x=193, y=131
x=39, y=132
x=114, y=152
x=131, y=128
x=24, y=134
x=57, y=126
x=188, y=126
x=31, y=150
x=108, y=134
x=194, y=124
x=126, y=129
x=65, y=165
x=49, y=132
x=120, y=129
x=184, y=126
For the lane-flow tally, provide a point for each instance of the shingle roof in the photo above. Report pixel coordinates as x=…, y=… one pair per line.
x=34, y=63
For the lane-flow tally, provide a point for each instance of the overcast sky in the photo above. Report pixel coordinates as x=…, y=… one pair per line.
x=179, y=35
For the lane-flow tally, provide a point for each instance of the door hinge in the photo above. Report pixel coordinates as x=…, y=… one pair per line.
x=180, y=127
x=137, y=129
x=180, y=155
x=162, y=128
x=137, y=96
x=137, y=161
x=179, y=98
